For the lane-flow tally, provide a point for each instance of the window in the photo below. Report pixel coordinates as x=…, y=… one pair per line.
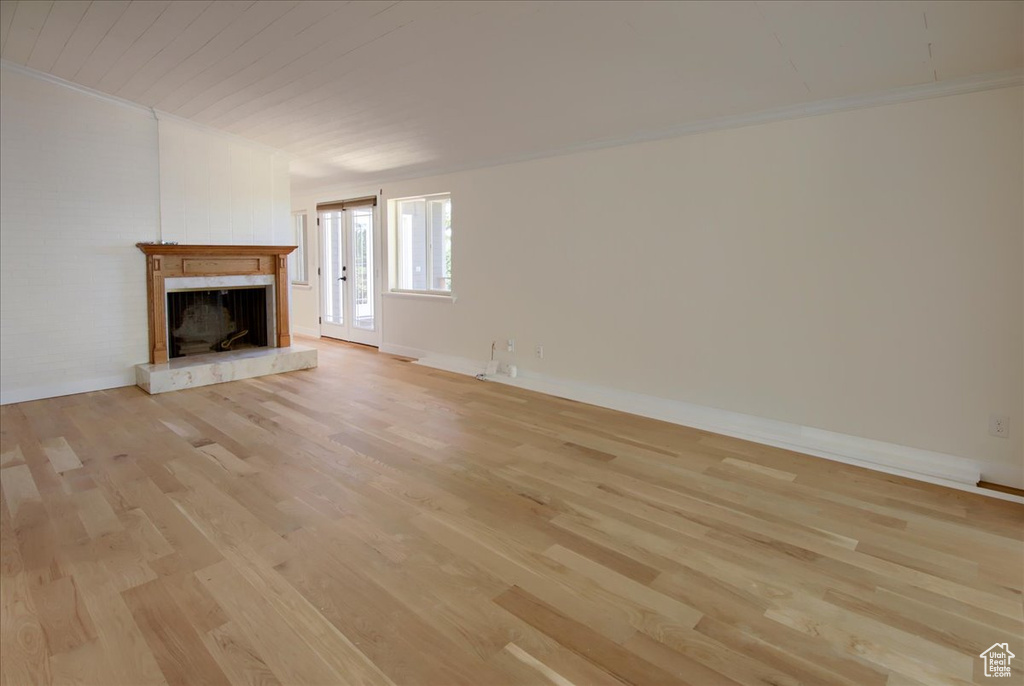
x=423, y=244
x=298, y=257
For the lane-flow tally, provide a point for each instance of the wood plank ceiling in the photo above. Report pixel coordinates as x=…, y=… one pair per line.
x=364, y=91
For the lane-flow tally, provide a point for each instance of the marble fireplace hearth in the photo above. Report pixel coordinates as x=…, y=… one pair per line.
x=210, y=274
x=202, y=370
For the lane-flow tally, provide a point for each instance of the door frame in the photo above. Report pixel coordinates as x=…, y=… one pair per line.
x=352, y=334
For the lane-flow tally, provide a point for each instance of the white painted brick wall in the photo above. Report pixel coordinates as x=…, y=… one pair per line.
x=78, y=189
x=81, y=181
x=218, y=191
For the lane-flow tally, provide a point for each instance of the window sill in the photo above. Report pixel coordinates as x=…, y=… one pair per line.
x=425, y=297
x=303, y=286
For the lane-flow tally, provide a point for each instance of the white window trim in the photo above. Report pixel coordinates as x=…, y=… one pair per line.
x=440, y=296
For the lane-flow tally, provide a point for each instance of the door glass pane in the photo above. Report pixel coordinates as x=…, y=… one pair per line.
x=332, y=284
x=361, y=267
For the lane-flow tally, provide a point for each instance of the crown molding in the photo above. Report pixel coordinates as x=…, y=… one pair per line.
x=893, y=96
x=158, y=115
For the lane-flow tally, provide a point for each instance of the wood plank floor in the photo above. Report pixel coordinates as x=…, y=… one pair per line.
x=376, y=522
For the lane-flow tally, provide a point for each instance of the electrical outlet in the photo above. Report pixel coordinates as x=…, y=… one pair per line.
x=511, y=346
x=999, y=425
x=539, y=351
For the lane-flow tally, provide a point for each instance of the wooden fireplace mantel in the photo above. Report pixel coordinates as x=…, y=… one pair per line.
x=163, y=261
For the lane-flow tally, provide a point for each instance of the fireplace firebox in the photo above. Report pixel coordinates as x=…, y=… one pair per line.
x=200, y=322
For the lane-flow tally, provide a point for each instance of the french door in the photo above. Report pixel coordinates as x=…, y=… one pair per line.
x=350, y=276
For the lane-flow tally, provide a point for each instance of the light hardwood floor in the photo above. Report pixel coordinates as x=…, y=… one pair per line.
x=377, y=522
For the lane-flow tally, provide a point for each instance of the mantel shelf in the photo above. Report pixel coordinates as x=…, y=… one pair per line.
x=169, y=249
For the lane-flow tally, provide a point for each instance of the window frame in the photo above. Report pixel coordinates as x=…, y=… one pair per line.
x=396, y=256
x=302, y=244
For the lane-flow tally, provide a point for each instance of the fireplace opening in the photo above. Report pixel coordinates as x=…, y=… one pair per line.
x=200, y=322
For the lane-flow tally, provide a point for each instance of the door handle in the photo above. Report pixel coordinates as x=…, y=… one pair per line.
x=342, y=278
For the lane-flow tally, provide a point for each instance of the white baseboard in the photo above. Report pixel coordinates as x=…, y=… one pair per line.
x=306, y=331
x=462, y=365
x=914, y=463
x=21, y=395
x=402, y=350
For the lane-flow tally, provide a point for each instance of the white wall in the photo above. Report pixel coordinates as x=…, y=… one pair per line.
x=859, y=272
x=80, y=182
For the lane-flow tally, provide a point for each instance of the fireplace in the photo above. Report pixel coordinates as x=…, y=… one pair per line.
x=217, y=313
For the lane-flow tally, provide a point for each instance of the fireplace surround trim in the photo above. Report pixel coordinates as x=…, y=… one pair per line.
x=176, y=263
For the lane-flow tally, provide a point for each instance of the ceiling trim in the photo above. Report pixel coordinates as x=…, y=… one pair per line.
x=158, y=115
x=939, y=89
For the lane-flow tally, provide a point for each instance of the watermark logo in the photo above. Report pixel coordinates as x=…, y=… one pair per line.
x=997, y=660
